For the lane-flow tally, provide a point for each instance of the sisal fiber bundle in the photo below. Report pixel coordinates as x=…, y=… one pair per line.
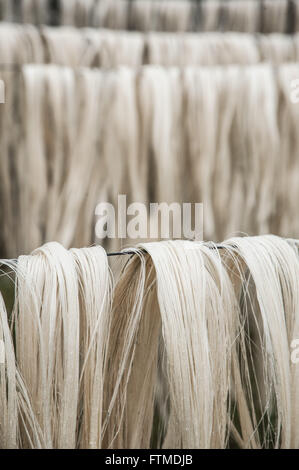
x=69, y=46
x=55, y=371
x=172, y=15
x=263, y=375
x=236, y=15
x=277, y=48
x=20, y=44
x=274, y=16
x=258, y=381
x=8, y=384
x=201, y=49
x=287, y=121
x=193, y=352
x=238, y=156
x=225, y=155
x=63, y=158
x=25, y=11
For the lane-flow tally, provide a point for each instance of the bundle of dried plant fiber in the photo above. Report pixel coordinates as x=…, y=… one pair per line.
x=163, y=126
x=55, y=364
x=175, y=295
x=192, y=352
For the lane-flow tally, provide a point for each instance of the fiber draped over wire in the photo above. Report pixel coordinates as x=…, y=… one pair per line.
x=171, y=15
x=171, y=344
x=190, y=349
x=105, y=48
x=60, y=127
x=60, y=325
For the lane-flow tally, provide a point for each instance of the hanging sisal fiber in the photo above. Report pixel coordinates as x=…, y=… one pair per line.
x=280, y=16
x=105, y=48
x=190, y=349
x=58, y=401
x=60, y=126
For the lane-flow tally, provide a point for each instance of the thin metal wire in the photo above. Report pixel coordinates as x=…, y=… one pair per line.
x=120, y=253
x=117, y=253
